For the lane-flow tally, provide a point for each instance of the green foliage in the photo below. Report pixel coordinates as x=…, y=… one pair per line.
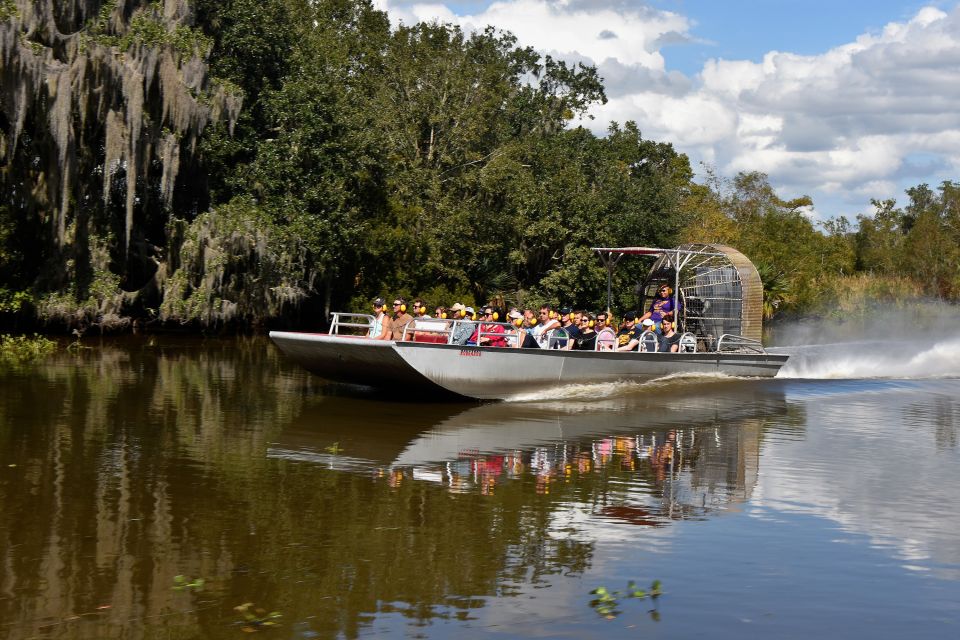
x=420, y=160
x=14, y=301
x=920, y=241
x=17, y=350
x=8, y=9
x=147, y=28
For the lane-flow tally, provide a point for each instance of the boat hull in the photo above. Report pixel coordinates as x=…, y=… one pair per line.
x=490, y=373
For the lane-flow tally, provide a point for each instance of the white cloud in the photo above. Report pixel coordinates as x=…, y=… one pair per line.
x=833, y=125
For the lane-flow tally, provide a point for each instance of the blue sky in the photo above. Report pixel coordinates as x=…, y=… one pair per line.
x=841, y=100
x=747, y=29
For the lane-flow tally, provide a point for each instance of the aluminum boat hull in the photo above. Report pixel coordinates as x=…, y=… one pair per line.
x=495, y=374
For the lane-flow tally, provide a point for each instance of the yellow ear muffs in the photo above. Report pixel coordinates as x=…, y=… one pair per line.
x=496, y=316
x=533, y=321
x=463, y=314
x=422, y=310
x=403, y=308
x=636, y=320
x=518, y=322
x=590, y=323
x=473, y=317
x=443, y=316
x=551, y=315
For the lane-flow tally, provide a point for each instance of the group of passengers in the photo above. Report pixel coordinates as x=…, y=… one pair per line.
x=566, y=328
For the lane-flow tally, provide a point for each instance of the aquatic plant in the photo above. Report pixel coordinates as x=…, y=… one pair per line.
x=183, y=583
x=255, y=618
x=22, y=349
x=607, y=602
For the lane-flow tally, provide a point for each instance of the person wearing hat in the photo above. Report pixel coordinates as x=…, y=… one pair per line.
x=462, y=327
x=382, y=328
x=628, y=338
x=662, y=306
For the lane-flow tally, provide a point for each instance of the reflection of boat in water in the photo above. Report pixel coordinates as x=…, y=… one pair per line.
x=370, y=434
x=691, y=445
x=718, y=295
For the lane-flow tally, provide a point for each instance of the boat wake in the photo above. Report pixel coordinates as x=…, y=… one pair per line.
x=889, y=359
x=603, y=391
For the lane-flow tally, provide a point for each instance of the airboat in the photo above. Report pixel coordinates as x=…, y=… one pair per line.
x=717, y=293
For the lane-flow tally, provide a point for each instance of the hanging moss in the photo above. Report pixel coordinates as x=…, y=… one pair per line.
x=109, y=97
x=236, y=266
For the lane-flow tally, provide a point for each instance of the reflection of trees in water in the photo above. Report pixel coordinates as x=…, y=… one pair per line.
x=115, y=450
x=942, y=412
x=139, y=464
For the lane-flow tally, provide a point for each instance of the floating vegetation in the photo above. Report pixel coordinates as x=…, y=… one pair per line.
x=183, y=583
x=607, y=602
x=24, y=349
x=256, y=619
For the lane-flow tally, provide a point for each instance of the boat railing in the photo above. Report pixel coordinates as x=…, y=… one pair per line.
x=731, y=343
x=458, y=331
x=649, y=342
x=337, y=322
x=606, y=340
x=688, y=343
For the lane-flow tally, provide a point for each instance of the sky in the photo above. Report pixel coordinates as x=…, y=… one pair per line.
x=841, y=100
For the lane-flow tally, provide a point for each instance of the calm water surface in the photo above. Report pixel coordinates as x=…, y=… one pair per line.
x=162, y=488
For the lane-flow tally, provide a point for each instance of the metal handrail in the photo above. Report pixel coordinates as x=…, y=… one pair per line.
x=647, y=340
x=606, y=344
x=336, y=323
x=554, y=338
x=453, y=325
x=733, y=343
x=688, y=343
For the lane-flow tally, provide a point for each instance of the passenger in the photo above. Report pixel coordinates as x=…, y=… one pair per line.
x=628, y=338
x=462, y=327
x=588, y=336
x=548, y=322
x=670, y=342
x=401, y=319
x=529, y=340
x=568, y=325
x=604, y=321
x=662, y=306
x=382, y=328
x=419, y=309
x=529, y=318
x=440, y=313
x=489, y=326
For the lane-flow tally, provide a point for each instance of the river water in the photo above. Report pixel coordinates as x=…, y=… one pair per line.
x=170, y=488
